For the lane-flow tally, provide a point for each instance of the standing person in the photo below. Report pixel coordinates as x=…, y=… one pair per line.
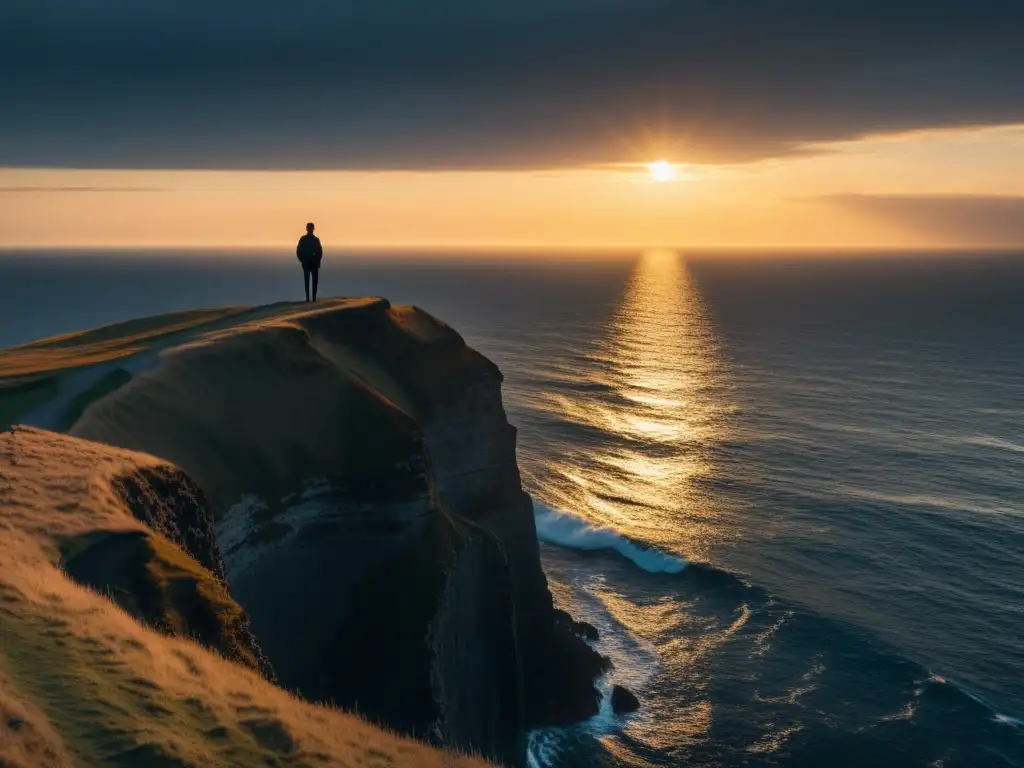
x=310, y=252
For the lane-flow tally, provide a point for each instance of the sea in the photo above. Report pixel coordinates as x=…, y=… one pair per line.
x=787, y=488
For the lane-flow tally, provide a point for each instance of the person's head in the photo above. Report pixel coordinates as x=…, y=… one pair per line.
x=310, y=227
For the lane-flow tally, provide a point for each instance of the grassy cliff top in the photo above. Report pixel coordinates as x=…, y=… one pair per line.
x=249, y=399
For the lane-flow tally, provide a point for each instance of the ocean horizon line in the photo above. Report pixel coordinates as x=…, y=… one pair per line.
x=625, y=250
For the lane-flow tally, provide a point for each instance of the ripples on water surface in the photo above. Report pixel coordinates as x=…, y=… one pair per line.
x=835, y=446
x=845, y=470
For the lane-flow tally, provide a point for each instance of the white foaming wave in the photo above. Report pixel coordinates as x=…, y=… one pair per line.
x=567, y=530
x=1013, y=722
x=997, y=717
x=541, y=749
x=987, y=441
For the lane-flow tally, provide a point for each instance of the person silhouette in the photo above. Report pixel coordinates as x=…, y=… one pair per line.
x=310, y=252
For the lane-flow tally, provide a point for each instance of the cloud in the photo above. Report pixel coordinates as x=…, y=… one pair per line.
x=995, y=221
x=507, y=83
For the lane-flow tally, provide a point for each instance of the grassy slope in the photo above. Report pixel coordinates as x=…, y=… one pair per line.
x=159, y=583
x=82, y=683
x=32, y=373
x=59, y=354
x=98, y=689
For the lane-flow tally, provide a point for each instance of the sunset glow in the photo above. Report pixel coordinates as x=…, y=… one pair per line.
x=918, y=189
x=662, y=170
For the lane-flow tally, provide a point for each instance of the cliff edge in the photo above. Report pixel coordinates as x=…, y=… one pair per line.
x=362, y=478
x=109, y=590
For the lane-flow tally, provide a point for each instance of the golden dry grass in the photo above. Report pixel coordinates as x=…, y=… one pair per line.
x=110, y=342
x=82, y=683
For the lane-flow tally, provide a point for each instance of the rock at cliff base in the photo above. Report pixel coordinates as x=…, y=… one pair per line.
x=582, y=629
x=587, y=630
x=624, y=701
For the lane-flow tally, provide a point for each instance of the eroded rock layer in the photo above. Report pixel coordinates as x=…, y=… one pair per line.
x=371, y=517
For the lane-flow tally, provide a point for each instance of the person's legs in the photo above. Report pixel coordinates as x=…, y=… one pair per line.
x=316, y=278
x=305, y=280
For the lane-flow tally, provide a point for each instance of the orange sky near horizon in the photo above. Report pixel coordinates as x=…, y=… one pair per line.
x=806, y=200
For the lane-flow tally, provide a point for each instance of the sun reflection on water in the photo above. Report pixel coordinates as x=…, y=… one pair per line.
x=653, y=411
x=639, y=421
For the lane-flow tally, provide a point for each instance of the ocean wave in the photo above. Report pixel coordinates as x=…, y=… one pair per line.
x=567, y=530
x=1013, y=722
x=997, y=717
x=937, y=681
x=541, y=749
x=987, y=441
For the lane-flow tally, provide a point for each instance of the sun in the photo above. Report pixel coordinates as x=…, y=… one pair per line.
x=662, y=170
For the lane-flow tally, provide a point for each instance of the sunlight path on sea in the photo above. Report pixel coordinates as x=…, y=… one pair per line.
x=637, y=427
x=652, y=409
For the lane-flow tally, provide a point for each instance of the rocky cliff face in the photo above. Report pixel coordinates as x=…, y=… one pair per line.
x=119, y=642
x=371, y=517
x=472, y=449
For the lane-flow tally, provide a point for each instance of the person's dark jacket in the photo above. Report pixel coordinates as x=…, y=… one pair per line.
x=309, y=251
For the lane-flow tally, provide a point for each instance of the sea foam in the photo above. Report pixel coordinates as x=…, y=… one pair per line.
x=567, y=530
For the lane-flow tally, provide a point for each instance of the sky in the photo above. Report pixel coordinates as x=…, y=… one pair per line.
x=407, y=123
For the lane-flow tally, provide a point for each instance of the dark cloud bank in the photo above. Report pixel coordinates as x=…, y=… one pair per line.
x=995, y=221
x=469, y=83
